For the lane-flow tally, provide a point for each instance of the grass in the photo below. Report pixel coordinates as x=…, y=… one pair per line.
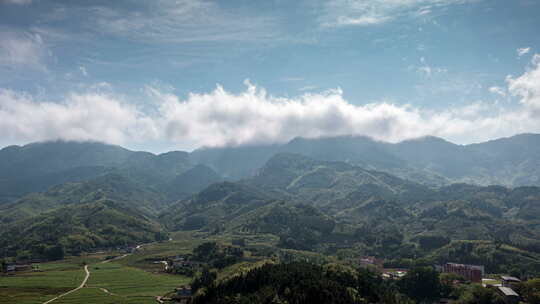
x=125, y=278
x=125, y=285
x=37, y=287
x=133, y=279
x=143, y=258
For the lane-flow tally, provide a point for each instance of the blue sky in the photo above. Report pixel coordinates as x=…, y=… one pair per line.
x=163, y=75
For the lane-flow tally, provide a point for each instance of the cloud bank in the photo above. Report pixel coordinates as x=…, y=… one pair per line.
x=220, y=118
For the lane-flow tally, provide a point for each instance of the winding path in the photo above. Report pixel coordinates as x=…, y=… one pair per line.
x=73, y=290
x=88, y=275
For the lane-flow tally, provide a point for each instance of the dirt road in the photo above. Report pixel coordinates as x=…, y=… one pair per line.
x=73, y=290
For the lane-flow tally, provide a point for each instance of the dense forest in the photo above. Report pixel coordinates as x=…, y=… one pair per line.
x=302, y=282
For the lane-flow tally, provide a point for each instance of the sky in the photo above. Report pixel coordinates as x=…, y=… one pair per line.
x=181, y=74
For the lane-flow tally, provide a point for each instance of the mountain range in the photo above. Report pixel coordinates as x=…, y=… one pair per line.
x=509, y=162
x=424, y=199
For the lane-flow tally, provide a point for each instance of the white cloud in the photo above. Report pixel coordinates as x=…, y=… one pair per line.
x=308, y=88
x=291, y=79
x=179, y=21
x=497, y=90
x=361, y=20
x=527, y=87
x=426, y=70
x=83, y=71
x=523, y=51
x=80, y=117
x=19, y=2
x=219, y=117
x=22, y=49
x=370, y=12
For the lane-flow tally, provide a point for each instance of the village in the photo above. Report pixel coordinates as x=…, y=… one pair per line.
x=466, y=274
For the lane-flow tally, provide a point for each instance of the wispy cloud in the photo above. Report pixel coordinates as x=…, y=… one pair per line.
x=291, y=79
x=221, y=118
x=19, y=2
x=427, y=70
x=83, y=71
x=179, y=21
x=308, y=88
x=497, y=90
x=522, y=51
x=22, y=49
x=339, y=13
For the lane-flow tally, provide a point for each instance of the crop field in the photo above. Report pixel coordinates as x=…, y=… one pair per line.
x=133, y=279
x=116, y=283
x=158, y=251
x=37, y=287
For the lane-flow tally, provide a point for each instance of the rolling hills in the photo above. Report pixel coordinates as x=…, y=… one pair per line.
x=344, y=196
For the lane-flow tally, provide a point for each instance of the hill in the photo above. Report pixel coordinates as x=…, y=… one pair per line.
x=39, y=166
x=337, y=208
x=344, y=201
x=429, y=160
x=75, y=229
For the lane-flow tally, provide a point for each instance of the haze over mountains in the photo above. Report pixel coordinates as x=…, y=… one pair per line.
x=509, y=161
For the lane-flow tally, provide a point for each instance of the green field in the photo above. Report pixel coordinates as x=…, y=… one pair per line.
x=133, y=279
x=37, y=287
x=124, y=285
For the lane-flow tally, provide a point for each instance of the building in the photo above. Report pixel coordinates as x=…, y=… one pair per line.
x=23, y=267
x=18, y=267
x=394, y=274
x=507, y=281
x=371, y=263
x=473, y=273
x=510, y=296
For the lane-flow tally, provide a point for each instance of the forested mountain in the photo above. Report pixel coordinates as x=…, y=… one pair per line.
x=110, y=210
x=36, y=167
x=509, y=161
x=433, y=161
x=327, y=206
x=215, y=206
x=99, y=224
x=342, y=196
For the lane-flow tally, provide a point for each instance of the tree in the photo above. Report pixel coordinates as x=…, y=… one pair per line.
x=448, y=289
x=421, y=284
x=476, y=294
x=55, y=252
x=206, y=251
x=206, y=279
x=530, y=290
x=3, y=266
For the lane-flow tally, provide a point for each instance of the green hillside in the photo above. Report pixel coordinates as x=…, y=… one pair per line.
x=74, y=229
x=339, y=209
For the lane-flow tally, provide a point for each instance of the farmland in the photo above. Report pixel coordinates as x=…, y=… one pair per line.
x=113, y=282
